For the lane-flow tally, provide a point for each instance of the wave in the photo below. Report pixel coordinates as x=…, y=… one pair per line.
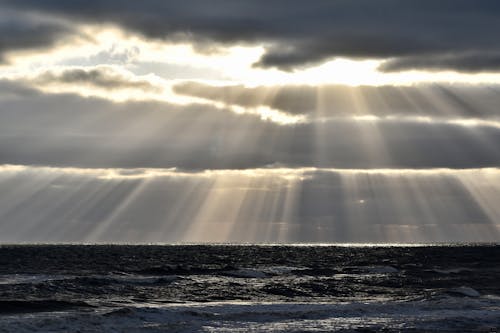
x=15, y=306
x=446, y=315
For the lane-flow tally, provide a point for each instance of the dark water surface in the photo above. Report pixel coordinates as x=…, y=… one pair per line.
x=238, y=288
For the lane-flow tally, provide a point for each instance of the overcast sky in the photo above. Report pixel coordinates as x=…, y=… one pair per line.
x=253, y=121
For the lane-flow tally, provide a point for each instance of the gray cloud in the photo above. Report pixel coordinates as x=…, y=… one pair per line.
x=19, y=31
x=299, y=33
x=467, y=62
x=102, y=77
x=15, y=89
x=435, y=100
x=69, y=130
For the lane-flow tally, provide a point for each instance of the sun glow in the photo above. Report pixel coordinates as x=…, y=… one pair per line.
x=228, y=64
x=180, y=139
x=353, y=72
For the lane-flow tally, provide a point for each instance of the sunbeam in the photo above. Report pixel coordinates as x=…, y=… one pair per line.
x=290, y=205
x=177, y=128
x=234, y=166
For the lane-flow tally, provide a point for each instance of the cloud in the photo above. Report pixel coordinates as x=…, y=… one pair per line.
x=459, y=100
x=297, y=33
x=15, y=89
x=74, y=131
x=20, y=31
x=389, y=163
x=105, y=77
x=471, y=62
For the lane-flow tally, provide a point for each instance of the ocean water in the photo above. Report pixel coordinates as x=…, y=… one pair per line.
x=249, y=288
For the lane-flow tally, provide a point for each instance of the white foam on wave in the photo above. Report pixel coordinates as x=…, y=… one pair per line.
x=466, y=291
x=29, y=278
x=142, y=279
x=373, y=269
x=129, y=278
x=281, y=270
x=263, y=272
x=443, y=314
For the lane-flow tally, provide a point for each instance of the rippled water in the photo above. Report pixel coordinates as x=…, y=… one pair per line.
x=231, y=288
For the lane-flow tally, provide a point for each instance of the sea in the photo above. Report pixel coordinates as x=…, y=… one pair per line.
x=250, y=288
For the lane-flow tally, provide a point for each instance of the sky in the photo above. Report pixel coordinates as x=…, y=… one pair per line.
x=277, y=121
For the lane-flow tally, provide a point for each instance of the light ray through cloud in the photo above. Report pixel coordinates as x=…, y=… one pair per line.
x=382, y=205
x=180, y=122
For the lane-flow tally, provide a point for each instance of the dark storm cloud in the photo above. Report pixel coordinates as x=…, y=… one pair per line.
x=458, y=100
x=299, y=33
x=69, y=130
x=102, y=77
x=467, y=62
x=21, y=32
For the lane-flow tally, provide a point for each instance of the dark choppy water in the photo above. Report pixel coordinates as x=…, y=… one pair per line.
x=229, y=288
